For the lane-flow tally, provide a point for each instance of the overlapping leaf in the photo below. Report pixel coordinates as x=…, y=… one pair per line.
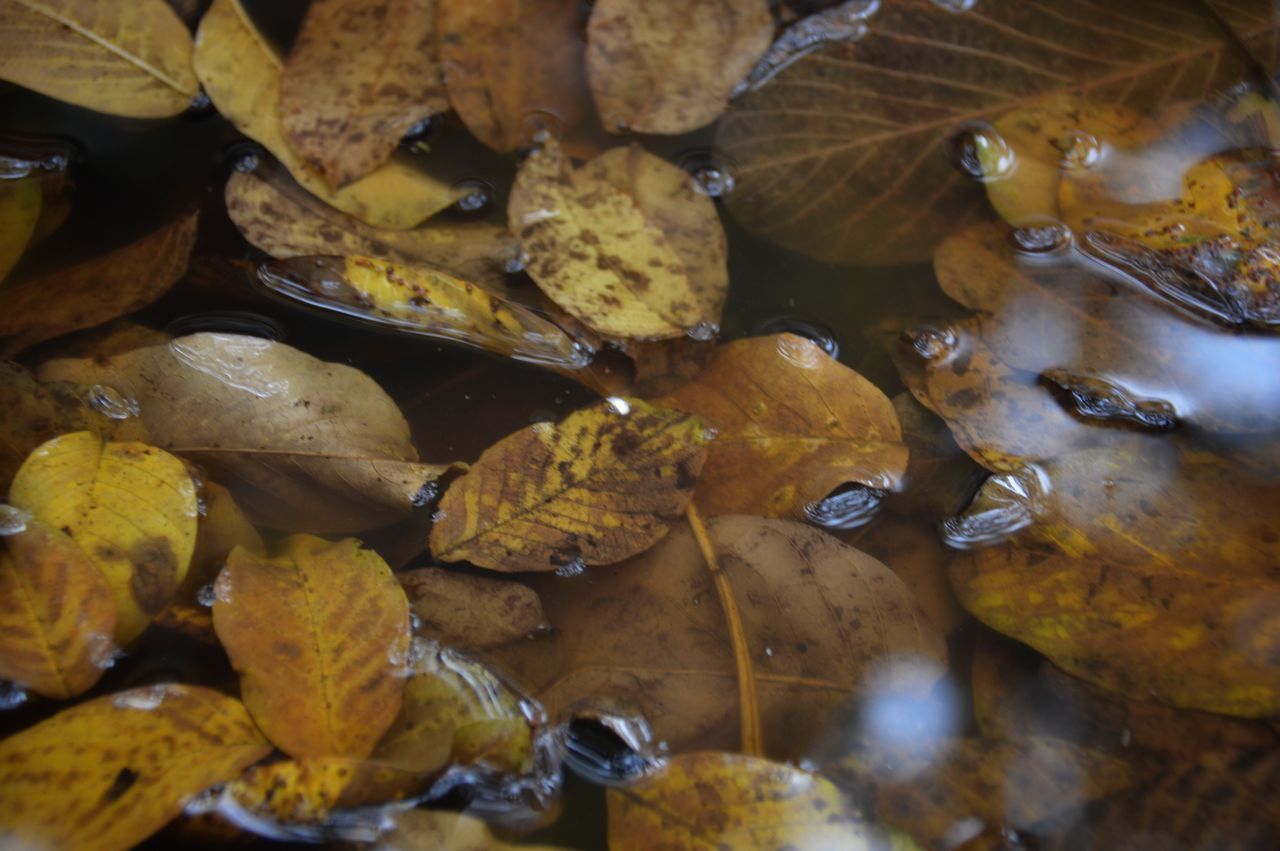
x=471, y=612
x=19, y=214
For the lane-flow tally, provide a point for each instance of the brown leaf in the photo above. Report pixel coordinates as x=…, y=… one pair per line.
x=840, y=154
x=602, y=485
x=96, y=290
x=442, y=830
x=513, y=69
x=1255, y=23
x=471, y=612
x=360, y=76
x=302, y=444
x=319, y=634
x=792, y=424
x=669, y=66
x=912, y=549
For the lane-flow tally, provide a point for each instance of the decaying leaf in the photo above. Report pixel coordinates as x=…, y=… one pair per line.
x=625, y=244
x=303, y=445
x=513, y=69
x=96, y=290
x=360, y=76
x=241, y=74
x=912, y=549
x=129, y=59
x=19, y=212
x=442, y=830
x=721, y=800
x=840, y=154
x=276, y=215
x=818, y=619
x=108, y=773
x=602, y=485
x=471, y=612
x=222, y=527
x=57, y=612
x=129, y=506
x=940, y=476
x=792, y=424
x=328, y=680
x=1256, y=25
x=668, y=67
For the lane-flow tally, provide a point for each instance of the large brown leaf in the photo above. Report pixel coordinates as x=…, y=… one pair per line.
x=1257, y=24
x=841, y=154
x=304, y=445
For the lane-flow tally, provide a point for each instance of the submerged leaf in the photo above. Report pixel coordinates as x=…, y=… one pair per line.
x=471, y=612
x=1256, y=24
x=603, y=485
x=108, y=773
x=443, y=830
x=129, y=506
x=131, y=59
x=319, y=634
x=19, y=213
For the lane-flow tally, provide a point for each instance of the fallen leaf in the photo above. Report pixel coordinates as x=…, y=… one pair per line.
x=471, y=612
x=110, y=772
x=1256, y=25
x=792, y=425
x=602, y=485
x=442, y=830
x=95, y=290
x=420, y=300
x=221, y=528
x=19, y=213
x=277, y=216
x=319, y=634
x=940, y=476
x=302, y=444
x=721, y=800
x=668, y=67
x=818, y=619
x=129, y=506
x=513, y=69
x=134, y=60
x=625, y=244
x=912, y=549
x=361, y=74
x=241, y=74
x=839, y=154
x=57, y=612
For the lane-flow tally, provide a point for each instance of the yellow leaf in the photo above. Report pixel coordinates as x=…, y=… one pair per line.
x=720, y=800
x=441, y=830
x=241, y=74
x=57, y=613
x=669, y=66
x=129, y=506
x=221, y=529
x=108, y=773
x=131, y=59
x=19, y=212
x=604, y=484
x=625, y=244
x=319, y=634
x=305, y=792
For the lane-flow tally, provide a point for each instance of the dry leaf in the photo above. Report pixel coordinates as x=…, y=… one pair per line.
x=792, y=424
x=840, y=155
x=319, y=634
x=96, y=290
x=513, y=69
x=818, y=619
x=602, y=485
x=669, y=66
x=129, y=506
x=361, y=74
x=131, y=59
x=471, y=612
x=241, y=74
x=303, y=445
x=57, y=612
x=442, y=830
x=19, y=212
x=108, y=773
x=276, y=215
x=626, y=244
x=721, y=800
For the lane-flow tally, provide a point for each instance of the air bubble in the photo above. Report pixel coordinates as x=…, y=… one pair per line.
x=415, y=622
x=12, y=695
x=1004, y=506
x=13, y=520
x=207, y=595
x=619, y=405
x=810, y=329
x=704, y=331
x=479, y=198
x=955, y=6
x=247, y=163
x=980, y=153
x=200, y=103
x=1042, y=238
x=848, y=507
x=243, y=322
x=541, y=126
x=426, y=495
x=111, y=403
x=1081, y=151
x=142, y=699
x=571, y=569
x=932, y=342
x=13, y=168
x=713, y=173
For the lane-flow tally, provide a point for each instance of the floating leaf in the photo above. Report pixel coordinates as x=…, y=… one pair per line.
x=19, y=213
x=302, y=444
x=241, y=74
x=442, y=830
x=96, y=290
x=721, y=800
x=471, y=612
x=840, y=155
x=108, y=773
x=513, y=69
x=327, y=680
x=668, y=67
x=625, y=244
x=360, y=76
x=603, y=485
x=57, y=612
x=792, y=424
x=132, y=59
x=817, y=619
x=129, y=506
x=276, y=215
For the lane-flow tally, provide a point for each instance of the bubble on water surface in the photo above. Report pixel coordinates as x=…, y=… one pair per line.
x=801, y=326
x=13, y=520
x=932, y=342
x=979, y=152
x=955, y=5
x=111, y=403
x=704, y=331
x=479, y=198
x=1044, y=238
x=12, y=695
x=1005, y=505
x=570, y=569
x=848, y=507
x=243, y=322
x=207, y=595
x=713, y=173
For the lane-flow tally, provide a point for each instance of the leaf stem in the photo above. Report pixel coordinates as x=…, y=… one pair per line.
x=748, y=702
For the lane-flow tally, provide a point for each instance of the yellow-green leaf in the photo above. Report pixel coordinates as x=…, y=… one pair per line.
x=19, y=213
